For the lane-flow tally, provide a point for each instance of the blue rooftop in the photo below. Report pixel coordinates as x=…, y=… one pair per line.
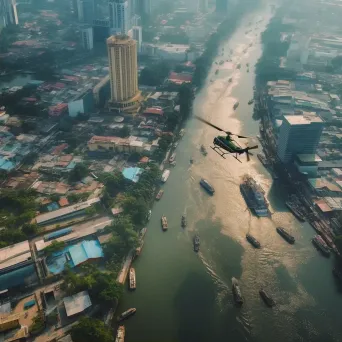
x=132, y=173
x=74, y=255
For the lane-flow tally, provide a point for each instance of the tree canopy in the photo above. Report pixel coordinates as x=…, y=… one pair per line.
x=102, y=286
x=91, y=330
x=124, y=238
x=78, y=173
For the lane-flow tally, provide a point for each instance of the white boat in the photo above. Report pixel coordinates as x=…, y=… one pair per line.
x=165, y=175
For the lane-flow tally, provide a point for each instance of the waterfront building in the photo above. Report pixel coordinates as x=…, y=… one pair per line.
x=119, y=16
x=299, y=134
x=137, y=36
x=307, y=164
x=87, y=38
x=123, y=72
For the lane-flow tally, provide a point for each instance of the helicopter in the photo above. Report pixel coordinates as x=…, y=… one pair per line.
x=227, y=143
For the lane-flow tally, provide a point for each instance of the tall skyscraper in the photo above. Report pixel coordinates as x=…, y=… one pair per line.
x=299, y=134
x=87, y=38
x=86, y=11
x=137, y=35
x=8, y=13
x=123, y=71
x=119, y=16
x=136, y=20
x=146, y=7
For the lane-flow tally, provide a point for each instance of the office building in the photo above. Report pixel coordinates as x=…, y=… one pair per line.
x=123, y=71
x=137, y=36
x=86, y=11
x=136, y=20
x=119, y=16
x=87, y=38
x=101, y=30
x=8, y=13
x=81, y=103
x=299, y=134
x=146, y=7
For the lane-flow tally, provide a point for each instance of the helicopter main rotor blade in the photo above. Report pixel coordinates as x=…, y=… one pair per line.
x=253, y=147
x=210, y=124
x=219, y=129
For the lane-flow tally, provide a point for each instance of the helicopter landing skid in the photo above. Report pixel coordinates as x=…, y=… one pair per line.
x=220, y=152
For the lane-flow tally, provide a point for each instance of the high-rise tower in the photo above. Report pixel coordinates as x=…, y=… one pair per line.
x=123, y=71
x=119, y=16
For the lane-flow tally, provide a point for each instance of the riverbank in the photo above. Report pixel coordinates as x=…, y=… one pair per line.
x=268, y=69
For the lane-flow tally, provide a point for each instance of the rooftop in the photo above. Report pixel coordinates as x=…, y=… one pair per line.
x=120, y=40
x=309, y=158
x=14, y=254
x=321, y=183
x=66, y=210
x=77, y=303
x=132, y=173
x=305, y=119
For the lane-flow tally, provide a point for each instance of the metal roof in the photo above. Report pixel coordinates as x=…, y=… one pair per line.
x=66, y=210
x=77, y=303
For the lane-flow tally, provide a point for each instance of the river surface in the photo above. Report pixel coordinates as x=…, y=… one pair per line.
x=186, y=297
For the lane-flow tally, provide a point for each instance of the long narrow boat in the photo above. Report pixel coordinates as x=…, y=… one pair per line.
x=132, y=279
x=164, y=223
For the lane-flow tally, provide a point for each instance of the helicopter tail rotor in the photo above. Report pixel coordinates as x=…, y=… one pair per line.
x=248, y=154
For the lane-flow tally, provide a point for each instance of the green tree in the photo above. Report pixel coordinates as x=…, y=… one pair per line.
x=185, y=100
x=90, y=330
x=136, y=208
x=78, y=173
x=102, y=286
x=114, y=182
x=124, y=132
x=38, y=324
x=164, y=142
x=29, y=229
x=54, y=247
x=124, y=238
x=91, y=211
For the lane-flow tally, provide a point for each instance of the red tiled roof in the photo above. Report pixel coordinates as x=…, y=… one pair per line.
x=144, y=160
x=63, y=202
x=178, y=77
x=153, y=110
x=98, y=138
